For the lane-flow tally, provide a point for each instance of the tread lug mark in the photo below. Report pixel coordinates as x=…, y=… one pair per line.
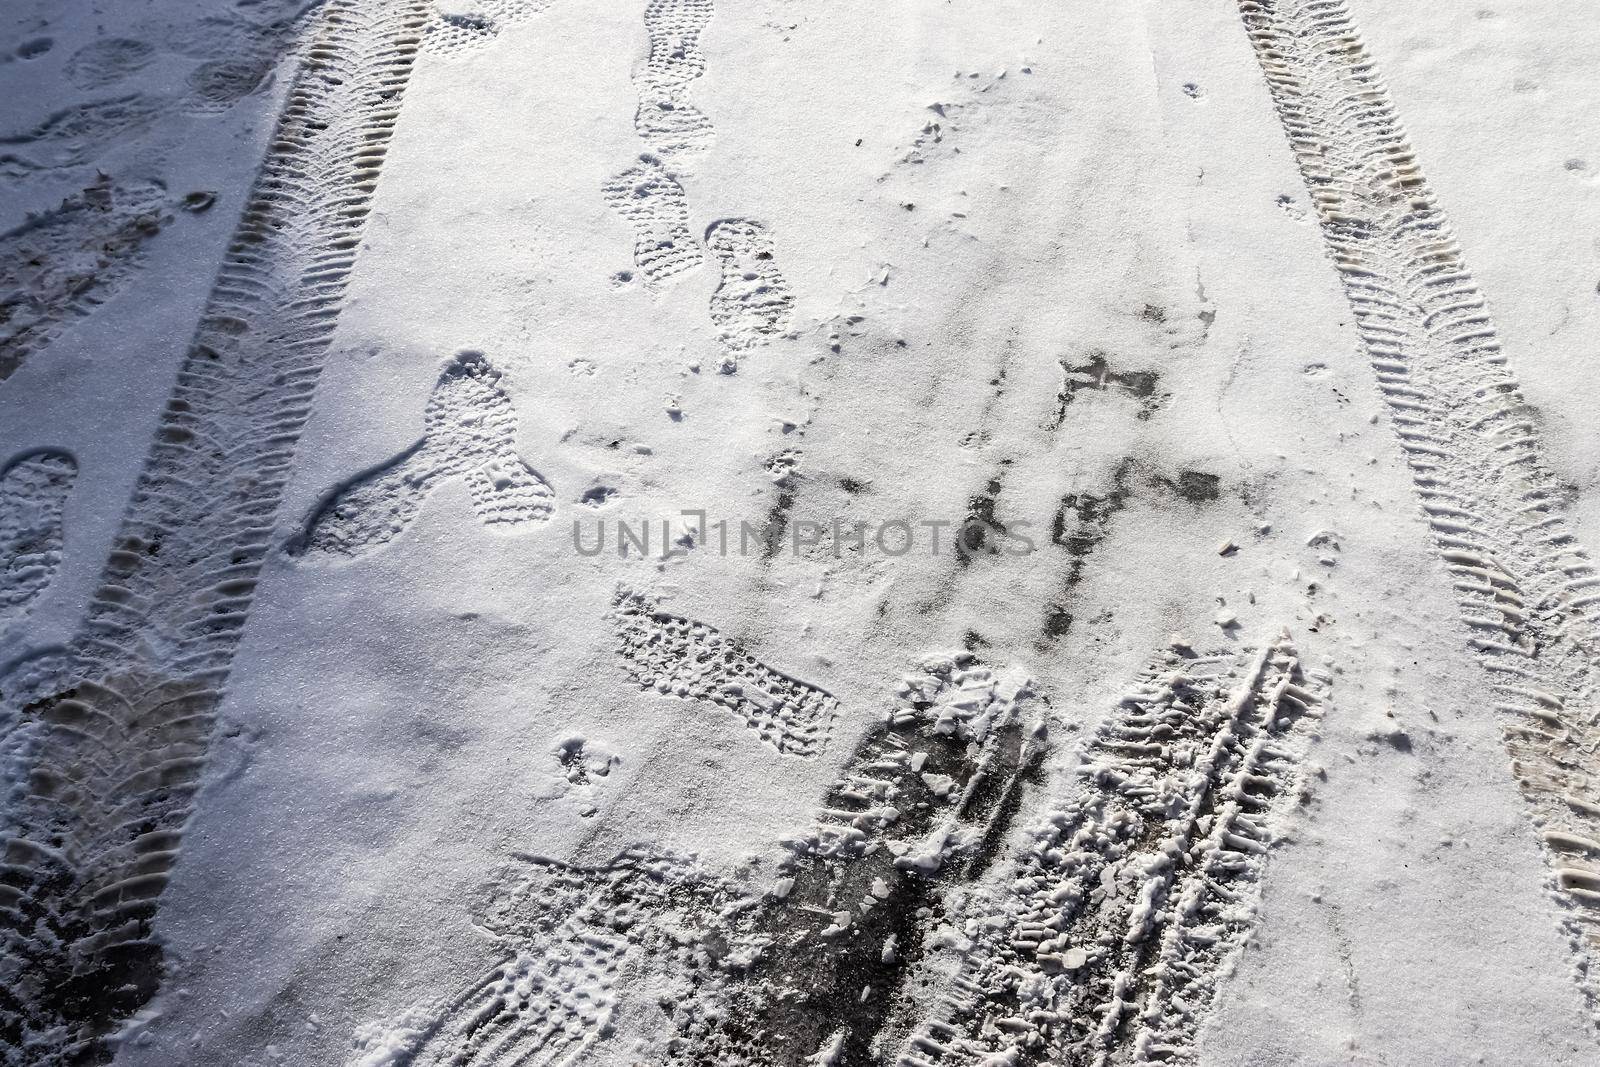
x=240, y=54
x=679, y=657
x=757, y=976
x=471, y=431
x=648, y=194
x=669, y=124
x=652, y=201
x=66, y=262
x=1097, y=374
x=104, y=743
x=1107, y=938
x=450, y=33
x=107, y=61
x=752, y=303
x=78, y=134
x=565, y=933
x=218, y=84
x=33, y=493
x=674, y=129
x=1527, y=591
x=820, y=966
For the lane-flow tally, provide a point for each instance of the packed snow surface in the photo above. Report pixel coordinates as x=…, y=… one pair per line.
x=535, y=532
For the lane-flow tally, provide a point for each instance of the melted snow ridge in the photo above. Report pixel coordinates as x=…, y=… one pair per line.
x=1114, y=924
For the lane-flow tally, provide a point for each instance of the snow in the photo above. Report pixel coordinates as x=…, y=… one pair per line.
x=1055, y=269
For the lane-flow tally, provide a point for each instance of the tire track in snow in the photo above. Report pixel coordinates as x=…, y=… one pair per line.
x=1099, y=941
x=1526, y=590
x=62, y=264
x=1107, y=937
x=103, y=770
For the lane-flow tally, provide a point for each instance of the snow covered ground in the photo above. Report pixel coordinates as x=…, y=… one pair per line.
x=536, y=532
